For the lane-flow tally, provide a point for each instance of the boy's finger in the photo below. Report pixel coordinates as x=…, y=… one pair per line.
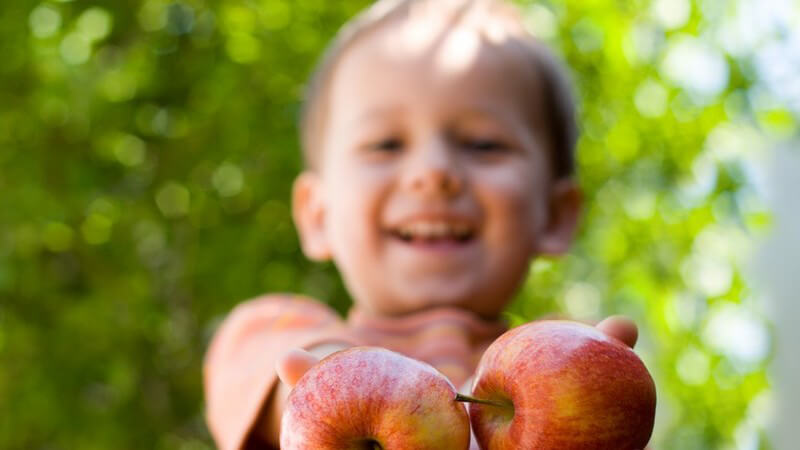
x=620, y=327
x=293, y=365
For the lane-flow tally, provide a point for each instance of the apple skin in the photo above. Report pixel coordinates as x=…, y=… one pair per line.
x=566, y=386
x=372, y=398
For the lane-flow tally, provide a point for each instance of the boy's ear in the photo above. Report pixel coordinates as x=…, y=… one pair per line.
x=308, y=212
x=564, y=212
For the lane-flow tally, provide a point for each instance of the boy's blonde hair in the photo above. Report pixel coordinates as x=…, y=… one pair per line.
x=555, y=87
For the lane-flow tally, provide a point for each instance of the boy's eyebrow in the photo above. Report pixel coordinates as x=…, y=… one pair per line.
x=373, y=114
x=474, y=112
x=486, y=113
x=477, y=112
x=470, y=112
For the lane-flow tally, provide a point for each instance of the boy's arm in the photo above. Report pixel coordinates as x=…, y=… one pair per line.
x=240, y=364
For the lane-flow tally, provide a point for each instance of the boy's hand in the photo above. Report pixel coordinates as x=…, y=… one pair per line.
x=293, y=365
x=290, y=368
x=622, y=328
x=296, y=362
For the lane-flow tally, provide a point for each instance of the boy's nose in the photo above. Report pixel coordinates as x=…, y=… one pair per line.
x=434, y=173
x=437, y=181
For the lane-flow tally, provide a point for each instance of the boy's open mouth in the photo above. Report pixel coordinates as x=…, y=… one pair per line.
x=433, y=233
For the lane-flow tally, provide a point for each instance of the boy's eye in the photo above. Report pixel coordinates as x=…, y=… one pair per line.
x=389, y=144
x=484, y=145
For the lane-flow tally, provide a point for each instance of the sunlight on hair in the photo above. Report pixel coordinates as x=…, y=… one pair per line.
x=496, y=32
x=459, y=51
x=452, y=29
x=418, y=35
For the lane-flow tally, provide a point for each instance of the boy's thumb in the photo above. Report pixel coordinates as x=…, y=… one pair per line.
x=620, y=327
x=293, y=364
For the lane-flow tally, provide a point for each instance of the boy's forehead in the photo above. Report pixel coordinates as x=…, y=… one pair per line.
x=446, y=47
x=430, y=56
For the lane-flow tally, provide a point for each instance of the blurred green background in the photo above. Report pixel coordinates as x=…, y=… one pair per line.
x=147, y=150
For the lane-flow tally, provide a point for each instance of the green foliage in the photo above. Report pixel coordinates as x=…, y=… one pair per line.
x=147, y=150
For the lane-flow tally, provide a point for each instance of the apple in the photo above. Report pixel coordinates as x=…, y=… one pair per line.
x=371, y=398
x=561, y=385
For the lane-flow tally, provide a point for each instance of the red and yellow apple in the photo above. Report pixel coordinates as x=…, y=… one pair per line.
x=371, y=398
x=561, y=385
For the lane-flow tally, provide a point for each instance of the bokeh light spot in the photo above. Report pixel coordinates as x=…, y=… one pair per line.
x=582, y=301
x=129, y=150
x=94, y=24
x=710, y=275
x=587, y=35
x=642, y=43
x=106, y=207
x=228, y=180
x=651, y=99
x=173, y=200
x=243, y=48
x=642, y=206
x=45, y=21
x=118, y=85
x=693, y=366
x=75, y=49
x=540, y=21
x=275, y=14
x=96, y=229
x=238, y=19
x=697, y=67
x=153, y=15
x=737, y=334
x=671, y=14
x=57, y=237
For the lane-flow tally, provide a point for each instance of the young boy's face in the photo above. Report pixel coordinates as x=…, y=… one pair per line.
x=435, y=185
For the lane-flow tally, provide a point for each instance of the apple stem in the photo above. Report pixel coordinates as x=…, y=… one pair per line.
x=468, y=399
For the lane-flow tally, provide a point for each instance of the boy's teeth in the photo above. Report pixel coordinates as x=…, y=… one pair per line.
x=433, y=230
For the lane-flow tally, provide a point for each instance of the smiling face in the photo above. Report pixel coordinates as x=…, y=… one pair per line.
x=435, y=186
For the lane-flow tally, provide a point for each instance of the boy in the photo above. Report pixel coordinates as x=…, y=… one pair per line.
x=438, y=138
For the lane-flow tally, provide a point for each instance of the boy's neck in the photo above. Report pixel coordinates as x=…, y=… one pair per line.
x=360, y=316
x=449, y=339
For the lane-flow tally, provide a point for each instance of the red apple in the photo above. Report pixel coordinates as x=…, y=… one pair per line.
x=372, y=398
x=560, y=385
